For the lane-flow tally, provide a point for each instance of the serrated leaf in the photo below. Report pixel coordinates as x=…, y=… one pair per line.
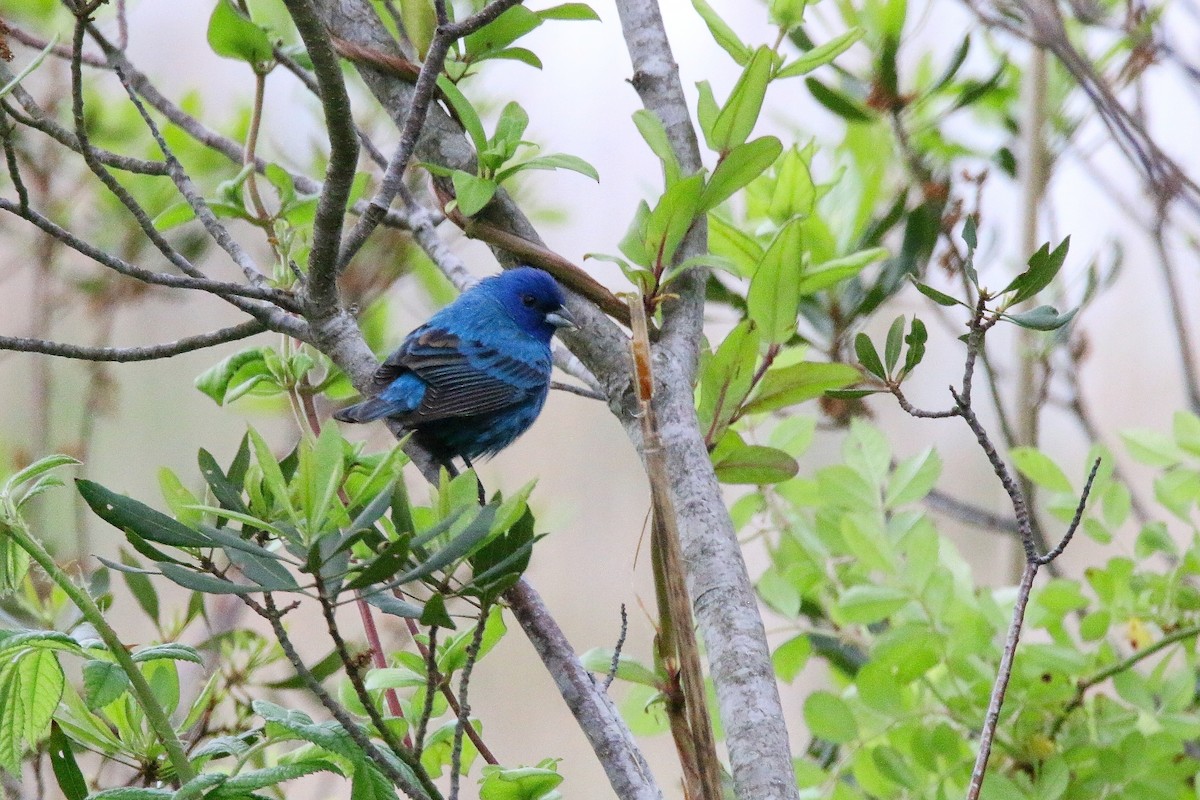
x=103, y=682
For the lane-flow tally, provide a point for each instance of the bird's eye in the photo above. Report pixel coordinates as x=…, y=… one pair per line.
x=529, y=300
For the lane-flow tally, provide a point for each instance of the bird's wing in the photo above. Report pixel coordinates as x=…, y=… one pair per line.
x=464, y=376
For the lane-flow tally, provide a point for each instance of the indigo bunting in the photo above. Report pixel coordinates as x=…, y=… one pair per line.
x=474, y=377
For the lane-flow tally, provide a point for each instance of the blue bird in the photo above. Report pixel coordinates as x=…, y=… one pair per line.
x=474, y=377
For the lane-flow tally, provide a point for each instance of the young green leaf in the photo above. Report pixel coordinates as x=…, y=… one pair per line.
x=232, y=35
x=672, y=218
x=472, y=192
x=553, y=161
x=633, y=244
x=465, y=112
x=569, y=11
x=652, y=130
x=787, y=386
x=829, y=273
x=1039, y=468
x=739, y=115
x=774, y=296
x=706, y=112
x=731, y=242
x=726, y=378
x=821, y=55
x=722, y=34
x=868, y=357
x=740, y=165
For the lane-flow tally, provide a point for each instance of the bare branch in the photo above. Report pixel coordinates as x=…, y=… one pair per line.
x=445, y=35
x=322, y=294
x=618, y=753
x=130, y=354
x=1049, y=556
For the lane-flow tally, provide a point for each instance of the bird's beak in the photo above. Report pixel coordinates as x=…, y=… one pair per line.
x=561, y=319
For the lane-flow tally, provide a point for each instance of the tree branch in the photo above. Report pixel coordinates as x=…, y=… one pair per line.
x=131, y=354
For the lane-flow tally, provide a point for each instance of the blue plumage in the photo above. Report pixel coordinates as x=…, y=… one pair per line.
x=474, y=377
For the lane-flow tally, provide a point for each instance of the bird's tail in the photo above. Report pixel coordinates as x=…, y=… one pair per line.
x=366, y=411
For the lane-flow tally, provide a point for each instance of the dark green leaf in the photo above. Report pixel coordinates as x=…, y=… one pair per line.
x=435, y=613
x=740, y=165
x=916, y=345
x=394, y=606
x=199, y=582
x=941, y=298
x=969, y=235
x=232, y=35
x=266, y=571
x=223, y=489
x=103, y=682
x=868, y=357
x=851, y=394
x=141, y=587
x=126, y=513
x=840, y=104
x=960, y=55
x=66, y=770
x=1043, y=266
x=895, y=339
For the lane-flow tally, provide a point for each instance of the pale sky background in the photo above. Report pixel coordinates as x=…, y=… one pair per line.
x=591, y=493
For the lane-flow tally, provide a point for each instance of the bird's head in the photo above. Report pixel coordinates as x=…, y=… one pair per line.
x=532, y=298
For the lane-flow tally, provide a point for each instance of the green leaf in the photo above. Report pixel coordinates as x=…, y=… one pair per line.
x=569, y=11
x=722, y=34
x=738, y=116
x=141, y=587
x=169, y=650
x=729, y=241
x=829, y=717
x=599, y=660
x=66, y=770
x=238, y=375
x=671, y=219
x=726, y=378
x=794, y=192
x=941, y=298
x=28, y=68
x=706, y=112
x=232, y=35
x=868, y=357
x=472, y=192
x=34, y=471
x=103, y=682
x=253, y=780
x=435, y=613
x=655, y=134
x=791, y=656
x=200, y=582
x=510, y=128
x=828, y=273
x=754, y=464
x=837, y=102
x=738, y=168
x=774, y=297
x=916, y=345
x=633, y=244
x=30, y=689
x=129, y=514
x=520, y=783
x=1039, y=468
x=502, y=31
x=553, y=161
x=513, y=54
x=1043, y=266
x=1153, y=448
x=865, y=604
x=1042, y=318
x=465, y=112
x=787, y=386
x=821, y=55
x=913, y=478
x=1185, y=426
x=895, y=339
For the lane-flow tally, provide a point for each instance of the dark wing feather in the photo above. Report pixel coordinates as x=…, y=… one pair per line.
x=465, y=377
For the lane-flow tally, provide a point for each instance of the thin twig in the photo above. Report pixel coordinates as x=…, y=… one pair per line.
x=132, y=354
x=432, y=679
x=445, y=35
x=616, y=659
x=464, y=710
